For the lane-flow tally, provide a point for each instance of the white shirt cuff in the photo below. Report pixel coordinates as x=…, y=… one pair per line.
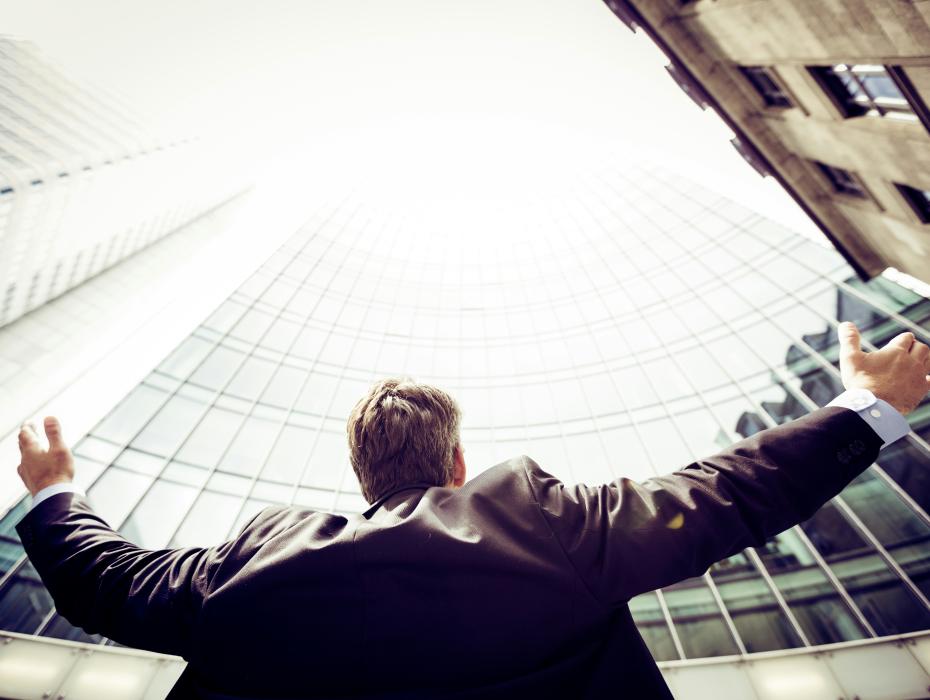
x=881, y=416
x=49, y=491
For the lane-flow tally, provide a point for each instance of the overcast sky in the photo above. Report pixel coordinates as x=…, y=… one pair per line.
x=453, y=89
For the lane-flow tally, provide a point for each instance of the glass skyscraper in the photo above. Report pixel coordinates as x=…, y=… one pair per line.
x=632, y=326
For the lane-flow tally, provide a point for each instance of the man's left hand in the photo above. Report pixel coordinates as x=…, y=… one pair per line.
x=40, y=467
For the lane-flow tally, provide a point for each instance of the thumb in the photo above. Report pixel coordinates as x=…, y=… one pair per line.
x=850, y=342
x=53, y=433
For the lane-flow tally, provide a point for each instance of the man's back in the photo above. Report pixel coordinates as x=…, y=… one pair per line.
x=445, y=591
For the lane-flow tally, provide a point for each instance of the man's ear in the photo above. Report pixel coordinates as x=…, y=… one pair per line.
x=458, y=472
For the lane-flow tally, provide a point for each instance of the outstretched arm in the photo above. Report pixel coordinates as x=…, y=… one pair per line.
x=98, y=580
x=107, y=585
x=625, y=538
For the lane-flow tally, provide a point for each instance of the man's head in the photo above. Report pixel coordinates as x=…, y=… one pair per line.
x=402, y=432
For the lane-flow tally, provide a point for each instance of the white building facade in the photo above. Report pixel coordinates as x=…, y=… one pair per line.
x=84, y=183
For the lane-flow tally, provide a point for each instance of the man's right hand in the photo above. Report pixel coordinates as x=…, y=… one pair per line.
x=898, y=373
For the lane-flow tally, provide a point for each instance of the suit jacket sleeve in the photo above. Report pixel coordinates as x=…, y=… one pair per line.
x=625, y=538
x=99, y=581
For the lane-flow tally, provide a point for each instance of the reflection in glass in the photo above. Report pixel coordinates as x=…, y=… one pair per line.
x=908, y=464
x=647, y=614
x=903, y=535
x=60, y=628
x=883, y=598
x=11, y=550
x=758, y=619
x=698, y=621
x=24, y=602
x=811, y=597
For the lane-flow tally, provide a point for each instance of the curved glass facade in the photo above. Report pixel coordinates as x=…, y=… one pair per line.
x=628, y=329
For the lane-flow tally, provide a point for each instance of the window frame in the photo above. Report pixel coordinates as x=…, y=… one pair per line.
x=865, y=103
x=754, y=75
x=830, y=174
x=917, y=200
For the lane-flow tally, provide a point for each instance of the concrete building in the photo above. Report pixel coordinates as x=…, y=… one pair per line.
x=633, y=325
x=84, y=183
x=830, y=98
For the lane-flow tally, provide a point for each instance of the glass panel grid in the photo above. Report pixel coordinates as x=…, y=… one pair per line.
x=625, y=334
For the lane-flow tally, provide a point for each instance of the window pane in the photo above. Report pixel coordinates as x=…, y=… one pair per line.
x=328, y=462
x=217, y=368
x=666, y=447
x=880, y=85
x=289, y=455
x=652, y=626
x=11, y=550
x=24, y=602
x=115, y=493
x=909, y=466
x=153, y=521
x=251, y=379
x=251, y=326
x=760, y=621
x=697, y=619
x=889, y=607
x=209, y=521
x=816, y=604
x=210, y=438
x=626, y=454
x=186, y=357
x=894, y=524
x=250, y=448
x=317, y=393
x=59, y=628
x=284, y=386
x=131, y=414
x=164, y=434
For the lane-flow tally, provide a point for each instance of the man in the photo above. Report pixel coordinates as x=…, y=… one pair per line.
x=511, y=585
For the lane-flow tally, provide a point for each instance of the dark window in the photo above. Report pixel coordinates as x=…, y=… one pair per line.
x=842, y=180
x=864, y=89
x=766, y=85
x=918, y=199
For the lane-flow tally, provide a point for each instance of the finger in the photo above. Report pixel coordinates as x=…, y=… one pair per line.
x=27, y=438
x=902, y=340
x=920, y=350
x=850, y=342
x=53, y=433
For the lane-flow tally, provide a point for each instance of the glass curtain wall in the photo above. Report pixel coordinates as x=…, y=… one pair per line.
x=627, y=329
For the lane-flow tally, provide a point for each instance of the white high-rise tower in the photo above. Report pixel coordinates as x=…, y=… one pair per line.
x=84, y=183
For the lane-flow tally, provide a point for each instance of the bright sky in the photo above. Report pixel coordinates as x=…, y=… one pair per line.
x=446, y=98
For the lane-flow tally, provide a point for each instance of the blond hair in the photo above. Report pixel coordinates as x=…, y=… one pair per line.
x=402, y=432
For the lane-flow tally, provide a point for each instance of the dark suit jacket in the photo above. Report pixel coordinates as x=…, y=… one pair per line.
x=514, y=585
